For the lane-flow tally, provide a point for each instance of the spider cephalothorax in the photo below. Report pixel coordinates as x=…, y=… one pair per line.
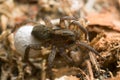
x=61, y=38
x=56, y=37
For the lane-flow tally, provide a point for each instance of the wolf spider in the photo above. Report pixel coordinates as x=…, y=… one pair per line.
x=61, y=38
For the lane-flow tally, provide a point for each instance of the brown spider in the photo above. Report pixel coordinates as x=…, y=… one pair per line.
x=61, y=38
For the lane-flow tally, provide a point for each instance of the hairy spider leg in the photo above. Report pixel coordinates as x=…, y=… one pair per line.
x=51, y=58
x=89, y=48
x=65, y=56
x=48, y=22
x=27, y=53
x=62, y=20
x=83, y=29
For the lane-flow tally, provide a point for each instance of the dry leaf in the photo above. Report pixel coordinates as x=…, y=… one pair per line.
x=106, y=19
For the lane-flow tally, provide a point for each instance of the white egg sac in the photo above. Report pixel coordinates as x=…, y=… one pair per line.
x=23, y=38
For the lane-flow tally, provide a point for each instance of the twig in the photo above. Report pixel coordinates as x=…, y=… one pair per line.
x=90, y=69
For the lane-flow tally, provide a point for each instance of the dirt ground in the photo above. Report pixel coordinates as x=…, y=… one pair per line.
x=100, y=17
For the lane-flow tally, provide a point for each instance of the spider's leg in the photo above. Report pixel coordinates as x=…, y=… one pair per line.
x=27, y=51
x=51, y=58
x=48, y=22
x=62, y=20
x=77, y=27
x=89, y=48
x=65, y=56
